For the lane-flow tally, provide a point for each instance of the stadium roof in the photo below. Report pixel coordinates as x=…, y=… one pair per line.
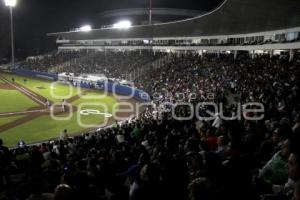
x=140, y=16
x=145, y=11
x=230, y=17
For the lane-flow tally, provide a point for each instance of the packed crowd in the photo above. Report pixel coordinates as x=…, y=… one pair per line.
x=159, y=157
x=45, y=63
x=111, y=64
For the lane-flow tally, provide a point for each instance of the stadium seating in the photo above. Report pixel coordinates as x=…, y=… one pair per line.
x=155, y=156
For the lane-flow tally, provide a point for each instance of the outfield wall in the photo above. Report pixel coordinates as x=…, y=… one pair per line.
x=112, y=87
x=43, y=75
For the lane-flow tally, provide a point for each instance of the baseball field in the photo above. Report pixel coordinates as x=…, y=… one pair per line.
x=36, y=110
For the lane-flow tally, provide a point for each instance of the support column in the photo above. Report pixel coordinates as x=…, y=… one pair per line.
x=292, y=53
x=200, y=52
x=251, y=52
x=235, y=52
x=271, y=53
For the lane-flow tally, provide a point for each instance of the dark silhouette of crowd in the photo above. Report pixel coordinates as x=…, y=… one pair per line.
x=49, y=62
x=155, y=156
x=109, y=63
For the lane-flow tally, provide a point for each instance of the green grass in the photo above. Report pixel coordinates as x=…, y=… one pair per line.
x=54, y=92
x=6, y=120
x=40, y=129
x=106, y=106
x=13, y=101
x=44, y=127
x=92, y=98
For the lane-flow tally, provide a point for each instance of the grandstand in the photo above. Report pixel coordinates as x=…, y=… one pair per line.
x=216, y=110
x=227, y=24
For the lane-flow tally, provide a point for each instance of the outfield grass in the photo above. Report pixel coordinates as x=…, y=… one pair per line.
x=92, y=98
x=54, y=92
x=6, y=120
x=13, y=101
x=40, y=129
x=107, y=104
x=45, y=127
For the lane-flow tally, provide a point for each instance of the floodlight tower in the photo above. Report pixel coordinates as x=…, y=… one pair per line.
x=150, y=12
x=11, y=4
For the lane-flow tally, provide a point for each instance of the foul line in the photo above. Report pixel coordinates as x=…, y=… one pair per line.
x=24, y=112
x=29, y=91
x=25, y=91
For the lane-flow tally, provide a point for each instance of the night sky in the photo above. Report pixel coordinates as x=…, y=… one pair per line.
x=34, y=18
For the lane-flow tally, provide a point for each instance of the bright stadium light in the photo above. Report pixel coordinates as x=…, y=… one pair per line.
x=124, y=24
x=10, y=3
x=85, y=28
x=150, y=12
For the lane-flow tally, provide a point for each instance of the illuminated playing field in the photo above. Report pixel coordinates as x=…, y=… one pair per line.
x=23, y=115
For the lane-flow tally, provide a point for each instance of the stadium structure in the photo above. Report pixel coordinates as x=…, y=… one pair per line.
x=268, y=26
x=140, y=16
x=209, y=109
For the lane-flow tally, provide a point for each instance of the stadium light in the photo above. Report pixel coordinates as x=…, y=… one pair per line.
x=150, y=12
x=124, y=24
x=11, y=4
x=85, y=28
